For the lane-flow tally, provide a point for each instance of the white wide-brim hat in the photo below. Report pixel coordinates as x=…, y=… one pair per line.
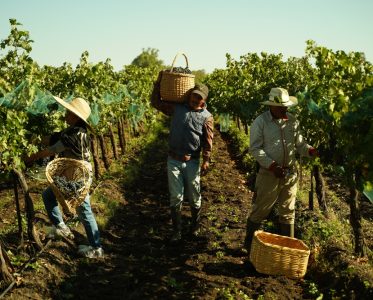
x=77, y=106
x=280, y=97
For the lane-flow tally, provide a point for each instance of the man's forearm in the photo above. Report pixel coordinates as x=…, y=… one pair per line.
x=40, y=154
x=208, y=137
x=157, y=103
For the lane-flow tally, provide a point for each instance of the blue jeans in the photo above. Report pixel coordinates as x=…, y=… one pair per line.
x=184, y=177
x=84, y=211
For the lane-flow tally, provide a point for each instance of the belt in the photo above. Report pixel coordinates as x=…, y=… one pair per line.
x=185, y=157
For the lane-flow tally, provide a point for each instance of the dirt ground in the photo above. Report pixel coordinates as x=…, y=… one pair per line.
x=139, y=262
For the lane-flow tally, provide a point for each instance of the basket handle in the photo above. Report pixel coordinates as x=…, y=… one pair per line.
x=173, y=63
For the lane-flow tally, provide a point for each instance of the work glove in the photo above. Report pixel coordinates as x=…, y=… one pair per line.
x=277, y=170
x=313, y=152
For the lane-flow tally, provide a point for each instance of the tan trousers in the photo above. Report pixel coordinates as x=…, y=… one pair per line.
x=270, y=189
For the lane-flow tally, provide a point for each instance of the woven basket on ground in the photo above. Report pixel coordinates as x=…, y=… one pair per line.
x=72, y=170
x=175, y=87
x=274, y=254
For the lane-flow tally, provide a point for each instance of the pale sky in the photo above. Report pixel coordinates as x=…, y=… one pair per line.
x=205, y=30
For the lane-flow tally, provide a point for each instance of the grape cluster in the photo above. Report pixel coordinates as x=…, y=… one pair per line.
x=181, y=70
x=70, y=188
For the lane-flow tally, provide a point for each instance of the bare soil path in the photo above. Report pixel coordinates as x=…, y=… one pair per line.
x=141, y=264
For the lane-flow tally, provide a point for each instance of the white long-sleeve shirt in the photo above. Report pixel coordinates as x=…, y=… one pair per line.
x=276, y=140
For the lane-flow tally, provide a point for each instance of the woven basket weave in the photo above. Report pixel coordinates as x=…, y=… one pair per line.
x=274, y=254
x=73, y=170
x=175, y=87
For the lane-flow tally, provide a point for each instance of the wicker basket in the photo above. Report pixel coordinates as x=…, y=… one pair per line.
x=175, y=87
x=279, y=255
x=74, y=170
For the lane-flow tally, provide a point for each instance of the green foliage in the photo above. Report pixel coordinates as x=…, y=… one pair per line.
x=18, y=260
x=312, y=289
x=220, y=254
x=335, y=99
x=358, y=127
x=325, y=232
x=16, y=63
x=107, y=206
x=148, y=58
x=173, y=283
x=200, y=75
x=240, y=87
x=21, y=80
x=231, y=293
x=241, y=142
x=13, y=138
x=336, y=108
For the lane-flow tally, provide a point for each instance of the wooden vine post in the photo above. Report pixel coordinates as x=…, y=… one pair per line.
x=113, y=143
x=238, y=123
x=96, y=162
x=104, y=154
x=355, y=215
x=320, y=189
x=30, y=213
x=246, y=128
x=126, y=128
x=120, y=136
x=18, y=209
x=123, y=134
x=6, y=267
x=310, y=194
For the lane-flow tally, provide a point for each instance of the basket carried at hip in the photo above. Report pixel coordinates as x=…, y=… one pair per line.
x=274, y=254
x=176, y=86
x=70, y=180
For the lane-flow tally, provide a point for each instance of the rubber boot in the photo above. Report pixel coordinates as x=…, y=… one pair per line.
x=195, y=226
x=176, y=225
x=287, y=229
x=251, y=227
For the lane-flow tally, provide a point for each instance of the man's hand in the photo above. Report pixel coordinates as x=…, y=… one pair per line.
x=33, y=157
x=204, y=168
x=28, y=160
x=45, y=140
x=313, y=152
x=277, y=170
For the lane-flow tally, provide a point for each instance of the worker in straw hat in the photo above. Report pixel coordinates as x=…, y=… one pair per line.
x=274, y=141
x=73, y=142
x=191, y=134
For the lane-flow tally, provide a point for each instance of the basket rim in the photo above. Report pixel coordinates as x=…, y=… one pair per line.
x=168, y=72
x=282, y=247
x=51, y=163
x=67, y=159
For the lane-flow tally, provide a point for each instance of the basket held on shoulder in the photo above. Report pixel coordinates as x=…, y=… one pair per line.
x=174, y=86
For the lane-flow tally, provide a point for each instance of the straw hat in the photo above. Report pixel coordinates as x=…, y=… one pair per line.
x=280, y=97
x=77, y=106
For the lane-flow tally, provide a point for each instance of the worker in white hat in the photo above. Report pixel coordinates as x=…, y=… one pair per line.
x=274, y=141
x=73, y=142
